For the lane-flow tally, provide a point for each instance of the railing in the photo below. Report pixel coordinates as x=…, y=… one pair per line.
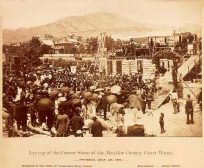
x=132, y=57
x=187, y=84
x=180, y=73
x=181, y=60
x=189, y=88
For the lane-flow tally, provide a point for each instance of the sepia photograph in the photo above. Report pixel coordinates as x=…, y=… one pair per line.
x=99, y=68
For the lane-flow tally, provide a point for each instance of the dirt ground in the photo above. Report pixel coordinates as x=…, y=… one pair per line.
x=174, y=124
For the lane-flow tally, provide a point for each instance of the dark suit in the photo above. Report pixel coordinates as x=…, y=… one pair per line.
x=76, y=123
x=189, y=110
x=143, y=101
x=149, y=100
x=21, y=116
x=96, y=129
x=66, y=107
x=103, y=105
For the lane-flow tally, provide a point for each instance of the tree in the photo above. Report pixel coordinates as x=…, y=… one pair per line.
x=118, y=44
x=92, y=45
x=31, y=51
x=109, y=43
x=168, y=55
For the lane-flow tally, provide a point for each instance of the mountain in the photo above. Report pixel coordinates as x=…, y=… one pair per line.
x=88, y=25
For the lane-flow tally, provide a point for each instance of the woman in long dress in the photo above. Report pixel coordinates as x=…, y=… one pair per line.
x=62, y=124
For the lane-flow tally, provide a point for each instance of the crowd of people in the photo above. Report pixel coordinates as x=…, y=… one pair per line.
x=133, y=49
x=142, y=49
x=72, y=99
x=62, y=102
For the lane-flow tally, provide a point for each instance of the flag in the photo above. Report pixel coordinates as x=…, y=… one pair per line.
x=73, y=69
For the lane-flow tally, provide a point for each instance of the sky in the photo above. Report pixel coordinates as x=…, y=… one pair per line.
x=28, y=13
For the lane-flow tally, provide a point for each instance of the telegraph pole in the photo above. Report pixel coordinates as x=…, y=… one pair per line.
x=100, y=52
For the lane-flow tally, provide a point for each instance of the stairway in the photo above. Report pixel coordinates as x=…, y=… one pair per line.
x=187, y=66
x=166, y=80
x=184, y=69
x=189, y=88
x=158, y=100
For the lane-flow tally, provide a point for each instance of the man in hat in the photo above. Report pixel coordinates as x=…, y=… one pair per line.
x=189, y=110
x=96, y=128
x=174, y=98
x=77, y=121
x=21, y=110
x=149, y=99
x=143, y=101
x=103, y=105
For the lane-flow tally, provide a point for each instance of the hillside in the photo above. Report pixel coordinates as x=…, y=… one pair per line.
x=87, y=25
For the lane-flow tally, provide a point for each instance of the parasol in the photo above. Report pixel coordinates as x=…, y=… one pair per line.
x=115, y=89
x=87, y=95
x=135, y=101
x=45, y=105
x=111, y=98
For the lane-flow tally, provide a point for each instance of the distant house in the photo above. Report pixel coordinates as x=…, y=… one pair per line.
x=10, y=55
x=65, y=46
x=48, y=42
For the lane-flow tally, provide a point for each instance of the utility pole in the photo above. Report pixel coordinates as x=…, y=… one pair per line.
x=100, y=52
x=174, y=34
